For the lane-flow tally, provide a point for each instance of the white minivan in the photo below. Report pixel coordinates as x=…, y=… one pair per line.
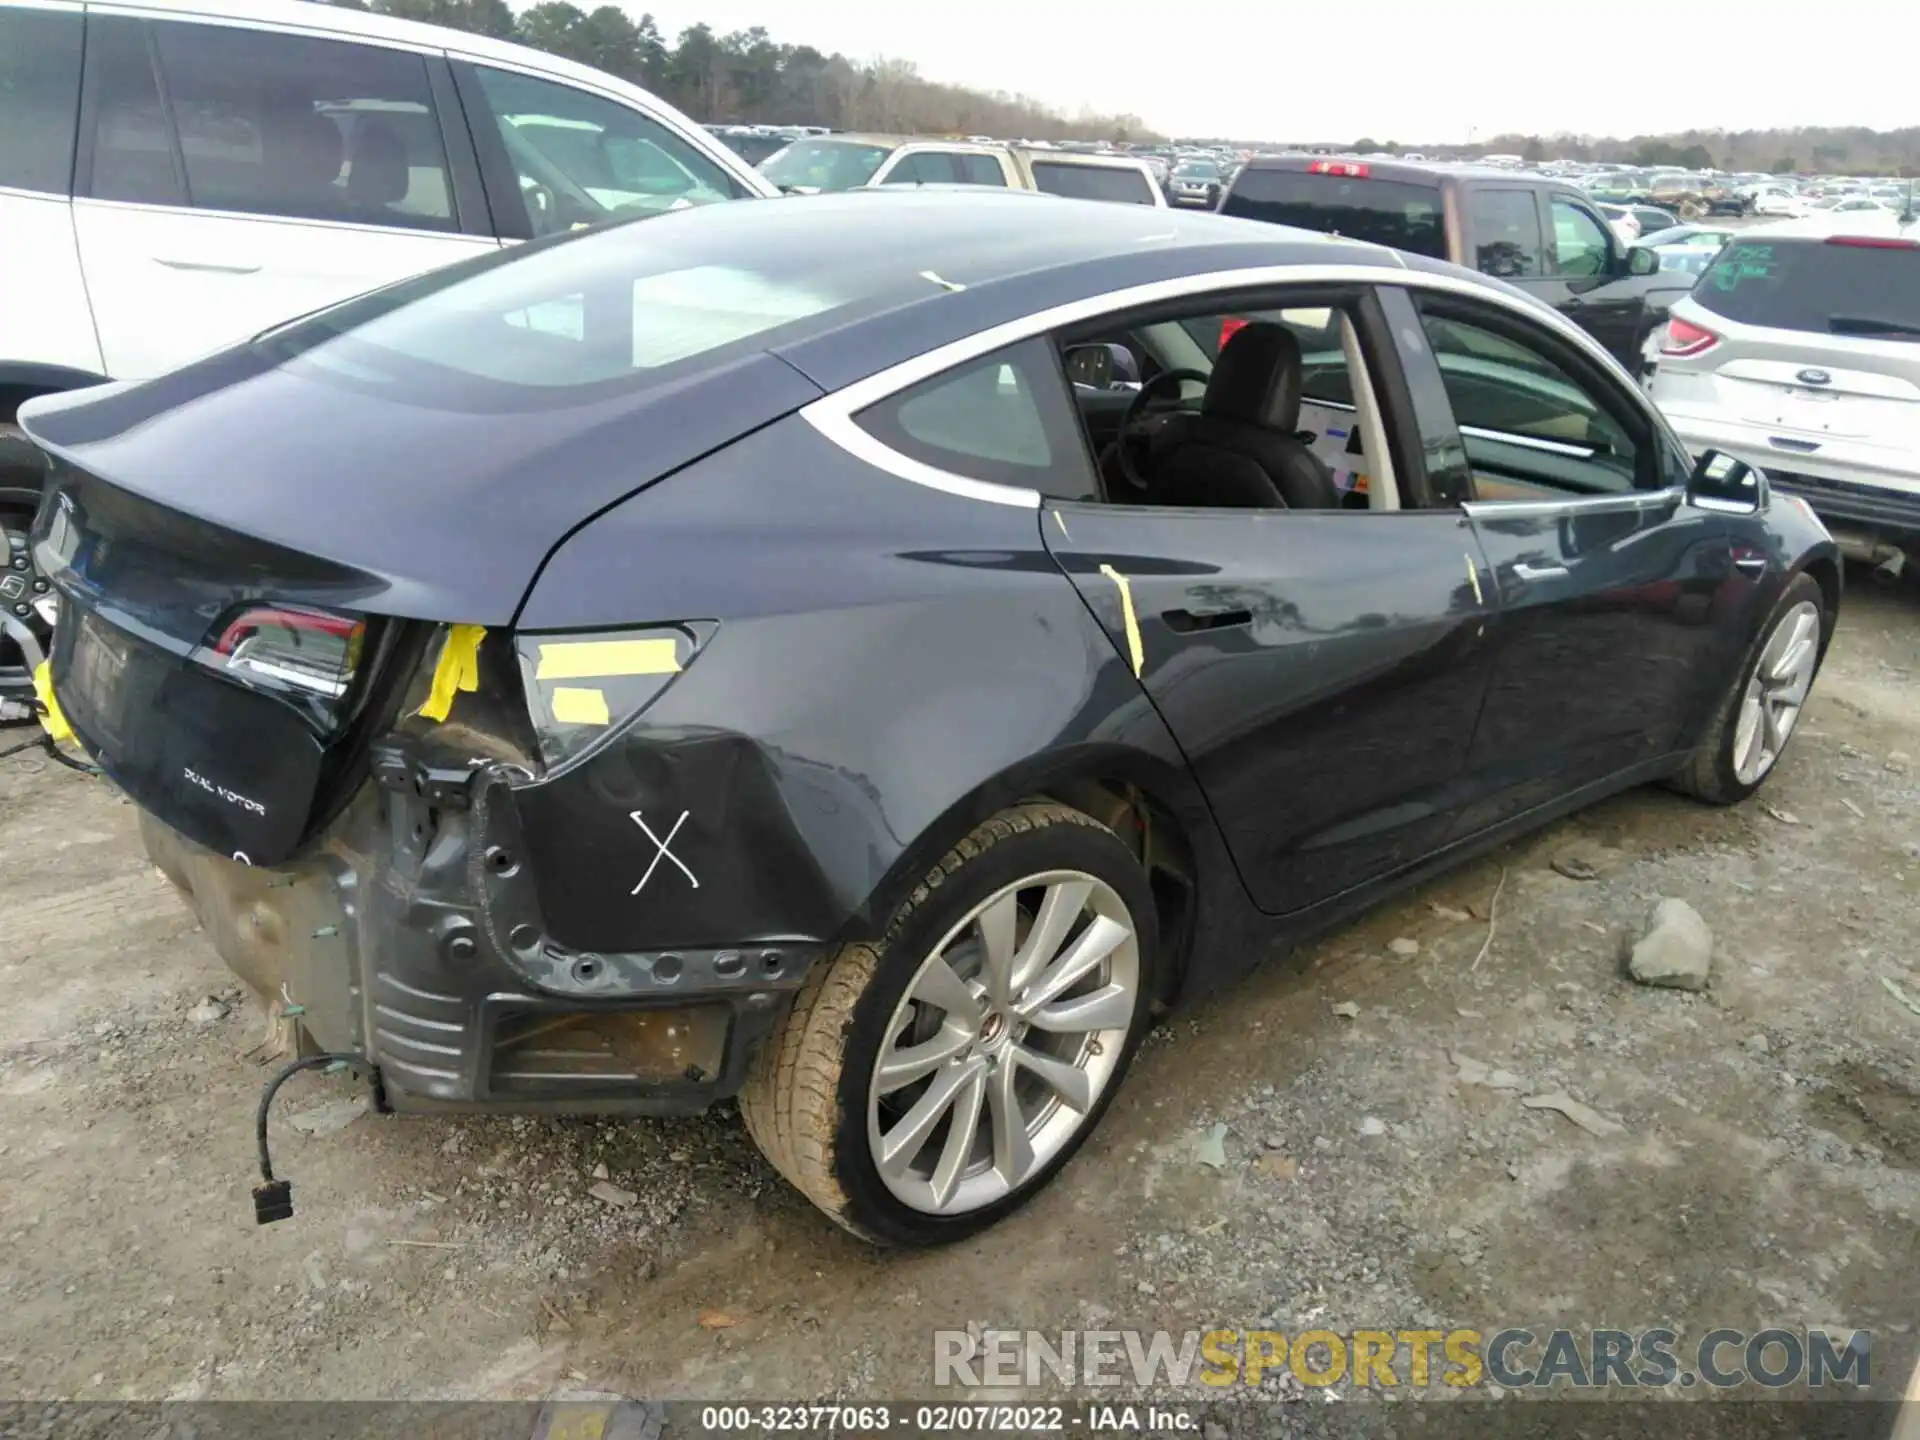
x=176, y=175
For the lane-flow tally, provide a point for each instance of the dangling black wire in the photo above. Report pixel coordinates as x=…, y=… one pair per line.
x=273, y=1199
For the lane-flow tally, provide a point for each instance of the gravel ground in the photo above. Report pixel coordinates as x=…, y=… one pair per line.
x=1342, y=1142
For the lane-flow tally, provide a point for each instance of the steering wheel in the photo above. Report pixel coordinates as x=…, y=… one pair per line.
x=1138, y=416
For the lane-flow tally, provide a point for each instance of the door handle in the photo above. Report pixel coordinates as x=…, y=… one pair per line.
x=1185, y=622
x=1752, y=564
x=206, y=265
x=1523, y=571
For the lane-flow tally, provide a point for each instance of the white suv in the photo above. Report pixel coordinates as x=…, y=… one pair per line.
x=1799, y=352
x=179, y=176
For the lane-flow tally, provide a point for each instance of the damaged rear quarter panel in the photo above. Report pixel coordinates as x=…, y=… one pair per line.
x=891, y=664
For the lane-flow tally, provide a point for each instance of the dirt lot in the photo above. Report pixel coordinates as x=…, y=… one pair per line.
x=1768, y=1170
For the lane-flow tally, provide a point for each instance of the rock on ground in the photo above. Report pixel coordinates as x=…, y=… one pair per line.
x=1676, y=951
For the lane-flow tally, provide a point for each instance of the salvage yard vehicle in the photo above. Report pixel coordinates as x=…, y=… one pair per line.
x=177, y=177
x=1544, y=236
x=823, y=164
x=1799, y=349
x=727, y=655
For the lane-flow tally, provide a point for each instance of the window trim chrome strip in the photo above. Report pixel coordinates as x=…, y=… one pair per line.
x=1623, y=504
x=1529, y=442
x=832, y=415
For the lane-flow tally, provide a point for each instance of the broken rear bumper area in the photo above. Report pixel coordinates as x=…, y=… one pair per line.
x=411, y=935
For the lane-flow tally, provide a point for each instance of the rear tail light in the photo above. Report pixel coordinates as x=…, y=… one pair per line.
x=1230, y=327
x=1683, y=338
x=1874, y=242
x=307, y=656
x=1355, y=168
x=581, y=687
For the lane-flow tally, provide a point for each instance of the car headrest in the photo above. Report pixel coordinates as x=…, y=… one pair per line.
x=1256, y=378
x=301, y=149
x=377, y=169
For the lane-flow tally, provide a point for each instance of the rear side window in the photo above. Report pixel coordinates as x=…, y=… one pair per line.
x=1093, y=182
x=1864, y=291
x=132, y=144
x=1398, y=213
x=310, y=129
x=1506, y=233
x=1007, y=419
x=39, y=98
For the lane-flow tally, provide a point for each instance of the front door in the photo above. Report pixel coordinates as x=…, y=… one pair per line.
x=1608, y=581
x=279, y=174
x=1587, y=281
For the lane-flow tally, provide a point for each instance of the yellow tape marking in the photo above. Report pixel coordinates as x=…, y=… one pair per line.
x=602, y=659
x=54, y=722
x=457, y=670
x=1134, y=647
x=579, y=706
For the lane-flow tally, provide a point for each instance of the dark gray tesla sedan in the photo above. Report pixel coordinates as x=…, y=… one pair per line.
x=870, y=654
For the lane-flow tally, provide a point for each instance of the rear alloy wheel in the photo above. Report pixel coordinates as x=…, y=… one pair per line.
x=25, y=597
x=1761, y=710
x=922, y=1089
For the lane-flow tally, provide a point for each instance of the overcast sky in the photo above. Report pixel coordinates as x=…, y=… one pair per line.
x=1405, y=70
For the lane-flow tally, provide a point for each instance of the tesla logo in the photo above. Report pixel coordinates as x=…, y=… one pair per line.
x=1814, y=377
x=12, y=587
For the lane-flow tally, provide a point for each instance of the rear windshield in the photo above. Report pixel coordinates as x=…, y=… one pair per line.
x=1861, y=290
x=1398, y=213
x=575, y=318
x=1092, y=182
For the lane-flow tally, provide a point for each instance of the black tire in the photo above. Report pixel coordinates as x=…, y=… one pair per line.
x=806, y=1103
x=1709, y=773
x=20, y=472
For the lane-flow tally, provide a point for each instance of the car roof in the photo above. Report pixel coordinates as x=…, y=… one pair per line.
x=1412, y=171
x=1827, y=223
x=937, y=265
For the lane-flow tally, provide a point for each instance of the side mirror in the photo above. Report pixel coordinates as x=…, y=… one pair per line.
x=1720, y=482
x=1642, y=261
x=1102, y=367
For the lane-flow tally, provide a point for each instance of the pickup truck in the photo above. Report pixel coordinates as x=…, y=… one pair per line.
x=1542, y=235
x=849, y=162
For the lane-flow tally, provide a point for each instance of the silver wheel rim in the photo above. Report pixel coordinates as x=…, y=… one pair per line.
x=1771, y=707
x=1008, y=1035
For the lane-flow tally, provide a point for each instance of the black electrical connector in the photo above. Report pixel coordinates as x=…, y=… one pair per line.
x=273, y=1199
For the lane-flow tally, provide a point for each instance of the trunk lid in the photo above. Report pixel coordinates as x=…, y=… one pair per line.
x=441, y=500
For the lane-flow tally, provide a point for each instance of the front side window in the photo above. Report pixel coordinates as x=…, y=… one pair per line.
x=579, y=158
x=981, y=170
x=808, y=165
x=1006, y=418
x=309, y=129
x=1528, y=422
x=1580, y=245
x=1506, y=234
x=39, y=98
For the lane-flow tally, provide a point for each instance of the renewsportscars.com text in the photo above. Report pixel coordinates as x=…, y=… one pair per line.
x=1514, y=1359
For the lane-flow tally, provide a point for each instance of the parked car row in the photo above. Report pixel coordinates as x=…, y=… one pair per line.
x=818, y=164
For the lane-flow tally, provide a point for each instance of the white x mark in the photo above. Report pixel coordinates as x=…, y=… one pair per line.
x=661, y=852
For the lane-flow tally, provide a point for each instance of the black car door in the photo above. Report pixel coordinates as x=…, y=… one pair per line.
x=1322, y=669
x=1613, y=590
x=1587, y=268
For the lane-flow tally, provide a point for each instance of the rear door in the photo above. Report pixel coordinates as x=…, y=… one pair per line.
x=43, y=302
x=1612, y=589
x=233, y=178
x=1322, y=669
